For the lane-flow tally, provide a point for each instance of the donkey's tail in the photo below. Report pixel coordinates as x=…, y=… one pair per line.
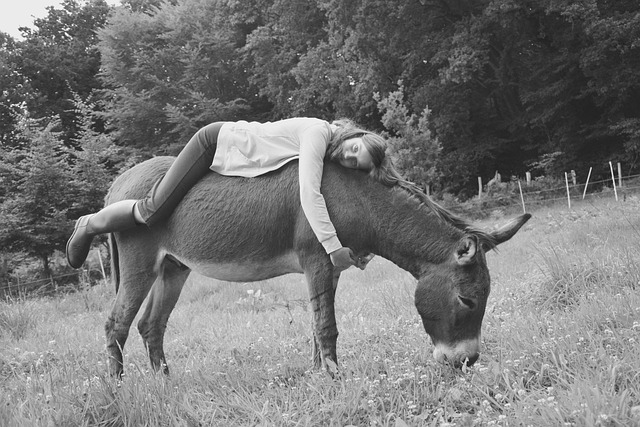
x=115, y=262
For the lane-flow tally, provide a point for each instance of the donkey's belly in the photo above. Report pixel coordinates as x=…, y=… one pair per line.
x=245, y=271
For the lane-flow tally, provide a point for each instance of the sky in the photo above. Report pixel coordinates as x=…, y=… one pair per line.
x=21, y=13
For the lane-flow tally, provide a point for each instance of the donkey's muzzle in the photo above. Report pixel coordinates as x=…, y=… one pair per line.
x=464, y=353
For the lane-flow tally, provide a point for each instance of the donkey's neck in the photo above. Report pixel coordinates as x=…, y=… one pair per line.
x=411, y=235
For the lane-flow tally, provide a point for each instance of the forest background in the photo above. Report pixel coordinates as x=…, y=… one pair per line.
x=461, y=88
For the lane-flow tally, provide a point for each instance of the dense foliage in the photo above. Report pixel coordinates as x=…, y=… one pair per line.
x=462, y=88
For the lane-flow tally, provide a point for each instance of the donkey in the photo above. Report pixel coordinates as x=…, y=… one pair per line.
x=249, y=229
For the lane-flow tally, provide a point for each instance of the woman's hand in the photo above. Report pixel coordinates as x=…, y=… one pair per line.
x=342, y=258
x=363, y=260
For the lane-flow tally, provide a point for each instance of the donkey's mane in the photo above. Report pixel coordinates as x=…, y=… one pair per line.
x=446, y=215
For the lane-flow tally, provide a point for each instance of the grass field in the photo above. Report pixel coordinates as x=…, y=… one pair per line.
x=561, y=342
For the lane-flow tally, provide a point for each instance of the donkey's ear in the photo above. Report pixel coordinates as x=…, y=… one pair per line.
x=508, y=230
x=466, y=250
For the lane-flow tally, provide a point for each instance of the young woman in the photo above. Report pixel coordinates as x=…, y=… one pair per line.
x=248, y=149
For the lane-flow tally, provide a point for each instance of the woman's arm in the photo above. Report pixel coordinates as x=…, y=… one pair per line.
x=313, y=146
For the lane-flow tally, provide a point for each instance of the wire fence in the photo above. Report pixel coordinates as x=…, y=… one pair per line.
x=20, y=288
x=15, y=287
x=517, y=196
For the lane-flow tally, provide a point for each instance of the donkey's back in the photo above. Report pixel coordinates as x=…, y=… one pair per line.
x=235, y=229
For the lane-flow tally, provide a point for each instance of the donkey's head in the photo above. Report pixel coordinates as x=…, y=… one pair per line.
x=451, y=296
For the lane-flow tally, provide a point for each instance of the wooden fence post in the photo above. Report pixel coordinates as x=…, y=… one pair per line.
x=613, y=178
x=524, y=210
x=104, y=276
x=566, y=180
x=584, y=193
x=619, y=175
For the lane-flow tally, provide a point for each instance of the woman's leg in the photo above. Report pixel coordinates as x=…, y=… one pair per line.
x=192, y=163
x=190, y=166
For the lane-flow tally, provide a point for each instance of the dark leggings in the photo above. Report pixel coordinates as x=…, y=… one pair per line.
x=192, y=163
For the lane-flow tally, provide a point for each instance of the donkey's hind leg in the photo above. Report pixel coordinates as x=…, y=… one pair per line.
x=133, y=289
x=163, y=298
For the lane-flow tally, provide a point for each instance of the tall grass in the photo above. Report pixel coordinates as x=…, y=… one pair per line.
x=16, y=319
x=560, y=334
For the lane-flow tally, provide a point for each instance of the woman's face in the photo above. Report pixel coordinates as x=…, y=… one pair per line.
x=355, y=155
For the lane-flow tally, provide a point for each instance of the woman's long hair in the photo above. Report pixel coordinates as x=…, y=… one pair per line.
x=346, y=129
x=385, y=172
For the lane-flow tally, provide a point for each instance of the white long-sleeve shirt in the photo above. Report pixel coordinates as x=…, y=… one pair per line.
x=250, y=149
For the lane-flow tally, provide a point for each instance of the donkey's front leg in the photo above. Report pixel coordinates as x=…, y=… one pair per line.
x=323, y=281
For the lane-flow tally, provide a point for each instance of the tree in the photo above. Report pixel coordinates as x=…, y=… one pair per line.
x=414, y=147
x=369, y=46
x=285, y=32
x=45, y=186
x=522, y=80
x=59, y=57
x=609, y=98
x=15, y=94
x=95, y=163
x=33, y=213
x=170, y=71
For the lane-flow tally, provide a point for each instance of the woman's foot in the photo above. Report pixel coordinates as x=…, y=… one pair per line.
x=79, y=243
x=118, y=216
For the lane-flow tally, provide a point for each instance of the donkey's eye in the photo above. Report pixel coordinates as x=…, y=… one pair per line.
x=355, y=148
x=470, y=303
